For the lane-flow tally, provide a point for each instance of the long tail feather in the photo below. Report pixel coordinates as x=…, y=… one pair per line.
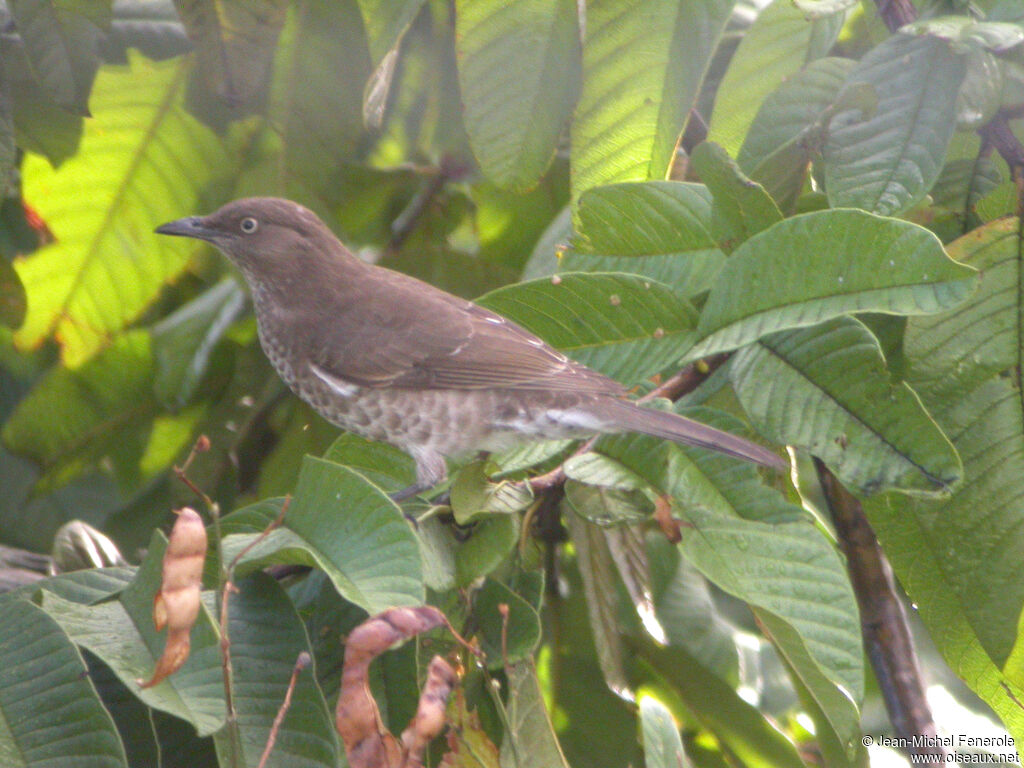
x=679, y=429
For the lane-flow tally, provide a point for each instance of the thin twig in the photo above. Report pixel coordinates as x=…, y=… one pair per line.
x=883, y=621
x=227, y=588
x=450, y=169
x=301, y=663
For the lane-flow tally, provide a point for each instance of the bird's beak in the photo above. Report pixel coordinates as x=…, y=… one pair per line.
x=192, y=226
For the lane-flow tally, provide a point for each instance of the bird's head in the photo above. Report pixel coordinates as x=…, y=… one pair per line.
x=269, y=239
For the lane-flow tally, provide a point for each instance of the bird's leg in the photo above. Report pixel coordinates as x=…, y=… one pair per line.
x=430, y=471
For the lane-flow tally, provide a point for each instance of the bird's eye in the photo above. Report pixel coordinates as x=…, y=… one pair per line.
x=249, y=225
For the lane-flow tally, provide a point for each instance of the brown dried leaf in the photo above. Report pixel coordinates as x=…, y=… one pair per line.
x=176, y=605
x=368, y=743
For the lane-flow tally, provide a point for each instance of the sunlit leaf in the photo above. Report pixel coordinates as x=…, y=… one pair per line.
x=143, y=162
x=518, y=71
x=643, y=64
x=779, y=42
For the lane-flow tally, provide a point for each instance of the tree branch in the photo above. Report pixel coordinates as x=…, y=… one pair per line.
x=883, y=621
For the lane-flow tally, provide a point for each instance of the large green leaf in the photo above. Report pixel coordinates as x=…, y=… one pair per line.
x=49, y=711
x=887, y=162
x=322, y=65
x=798, y=587
x=661, y=229
x=234, y=42
x=817, y=266
x=826, y=389
x=777, y=45
x=62, y=41
x=643, y=64
x=518, y=71
x=342, y=523
x=625, y=326
x=266, y=639
x=787, y=131
x=143, y=162
x=121, y=633
x=960, y=560
x=954, y=351
x=73, y=417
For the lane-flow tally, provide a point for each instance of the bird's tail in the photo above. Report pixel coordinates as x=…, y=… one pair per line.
x=627, y=416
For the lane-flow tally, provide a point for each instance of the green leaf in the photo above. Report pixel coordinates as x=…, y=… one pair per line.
x=72, y=417
x=382, y=464
x=600, y=587
x=106, y=267
x=826, y=389
x=967, y=33
x=887, y=162
x=625, y=326
x=662, y=746
x=184, y=340
x=779, y=42
x=643, y=65
x=716, y=706
x=39, y=124
x=953, y=352
x=813, y=267
x=660, y=229
x=234, y=44
x=741, y=207
x=340, y=522
x=49, y=711
x=266, y=638
x=317, y=96
x=788, y=129
x=529, y=740
x=473, y=494
x=519, y=73
x=121, y=633
x=62, y=45
x=799, y=590
x=12, y=296
x=965, y=181
x=493, y=539
x=505, y=640
x=958, y=560
x=386, y=22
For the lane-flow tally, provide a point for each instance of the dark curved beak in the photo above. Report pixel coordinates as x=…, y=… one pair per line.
x=192, y=226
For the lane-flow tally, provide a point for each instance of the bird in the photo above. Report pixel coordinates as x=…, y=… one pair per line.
x=394, y=359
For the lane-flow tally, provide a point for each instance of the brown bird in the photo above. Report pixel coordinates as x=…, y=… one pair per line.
x=395, y=359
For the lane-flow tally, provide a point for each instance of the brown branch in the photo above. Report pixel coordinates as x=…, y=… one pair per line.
x=896, y=13
x=450, y=169
x=883, y=620
x=301, y=663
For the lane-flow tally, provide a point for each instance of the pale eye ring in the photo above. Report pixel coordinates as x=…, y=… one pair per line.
x=248, y=225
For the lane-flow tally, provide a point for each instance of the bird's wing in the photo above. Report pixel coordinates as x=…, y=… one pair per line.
x=422, y=338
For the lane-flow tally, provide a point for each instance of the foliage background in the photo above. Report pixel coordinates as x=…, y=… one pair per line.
x=485, y=146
